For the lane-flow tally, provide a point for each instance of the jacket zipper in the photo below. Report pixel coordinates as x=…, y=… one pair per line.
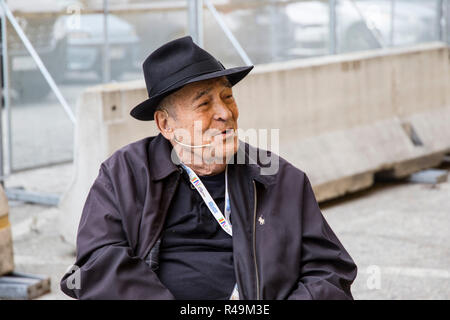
x=254, y=242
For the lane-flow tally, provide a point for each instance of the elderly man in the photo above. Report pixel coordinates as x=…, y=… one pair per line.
x=178, y=216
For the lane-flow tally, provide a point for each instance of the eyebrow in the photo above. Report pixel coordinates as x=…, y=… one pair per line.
x=201, y=94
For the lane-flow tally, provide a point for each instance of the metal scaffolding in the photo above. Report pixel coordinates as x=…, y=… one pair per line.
x=194, y=10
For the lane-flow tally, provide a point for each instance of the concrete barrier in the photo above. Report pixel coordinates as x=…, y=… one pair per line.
x=341, y=119
x=6, y=245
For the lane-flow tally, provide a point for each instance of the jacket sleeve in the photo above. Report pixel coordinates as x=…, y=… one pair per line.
x=105, y=266
x=327, y=270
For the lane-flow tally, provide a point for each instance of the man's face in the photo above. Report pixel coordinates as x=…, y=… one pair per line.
x=205, y=112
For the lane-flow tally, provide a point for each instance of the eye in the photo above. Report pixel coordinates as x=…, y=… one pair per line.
x=203, y=104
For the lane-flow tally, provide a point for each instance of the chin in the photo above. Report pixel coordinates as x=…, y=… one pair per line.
x=221, y=153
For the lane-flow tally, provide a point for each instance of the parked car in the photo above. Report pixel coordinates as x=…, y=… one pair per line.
x=300, y=29
x=63, y=47
x=264, y=31
x=362, y=24
x=84, y=45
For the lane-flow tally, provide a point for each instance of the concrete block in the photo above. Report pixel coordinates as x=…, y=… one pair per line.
x=341, y=119
x=23, y=286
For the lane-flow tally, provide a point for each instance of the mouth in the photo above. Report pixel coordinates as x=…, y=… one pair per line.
x=225, y=133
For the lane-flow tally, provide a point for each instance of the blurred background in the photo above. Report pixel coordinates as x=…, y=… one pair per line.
x=71, y=39
x=89, y=42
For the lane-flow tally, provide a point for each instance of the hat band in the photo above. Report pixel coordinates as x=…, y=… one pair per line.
x=186, y=73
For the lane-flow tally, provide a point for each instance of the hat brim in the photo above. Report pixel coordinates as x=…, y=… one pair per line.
x=145, y=110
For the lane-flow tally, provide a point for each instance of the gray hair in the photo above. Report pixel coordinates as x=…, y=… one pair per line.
x=166, y=105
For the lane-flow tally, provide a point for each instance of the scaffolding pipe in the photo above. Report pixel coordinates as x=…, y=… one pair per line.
x=106, y=70
x=6, y=167
x=332, y=26
x=195, y=12
x=228, y=33
x=392, y=31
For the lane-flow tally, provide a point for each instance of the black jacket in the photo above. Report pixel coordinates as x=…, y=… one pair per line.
x=282, y=246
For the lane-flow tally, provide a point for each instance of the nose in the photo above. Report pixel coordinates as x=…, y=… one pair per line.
x=222, y=111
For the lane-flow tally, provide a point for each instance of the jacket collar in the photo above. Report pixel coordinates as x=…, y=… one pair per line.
x=253, y=165
x=161, y=164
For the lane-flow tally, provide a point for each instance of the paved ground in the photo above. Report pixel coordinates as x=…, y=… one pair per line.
x=398, y=234
x=38, y=247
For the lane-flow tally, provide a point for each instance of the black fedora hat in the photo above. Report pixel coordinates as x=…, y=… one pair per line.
x=176, y=64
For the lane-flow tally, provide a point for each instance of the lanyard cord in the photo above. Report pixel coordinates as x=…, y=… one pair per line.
x=223, y=221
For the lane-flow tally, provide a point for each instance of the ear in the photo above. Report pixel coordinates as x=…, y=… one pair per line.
x=164, y=123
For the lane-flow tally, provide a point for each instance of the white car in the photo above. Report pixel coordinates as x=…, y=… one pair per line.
x=65, y=42
x=84, y=44
x=300, y=29
x=362, y=24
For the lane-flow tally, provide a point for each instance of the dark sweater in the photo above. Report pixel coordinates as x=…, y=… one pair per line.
x=196, y=254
